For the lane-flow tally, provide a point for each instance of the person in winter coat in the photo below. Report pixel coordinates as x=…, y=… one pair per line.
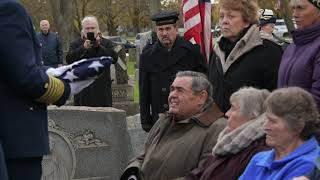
x=26, y=89
x=99, y=93
x=183, y=137
x=300, y=65
x=292, y=119
x=240, y=140
x=159, y=63
x=51, y=48
x=240, y=56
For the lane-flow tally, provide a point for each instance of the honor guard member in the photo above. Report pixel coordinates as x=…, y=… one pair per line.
x=25, y=90
x=160, y=62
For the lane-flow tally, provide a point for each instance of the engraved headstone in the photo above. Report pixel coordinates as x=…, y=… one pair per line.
x=86, y=143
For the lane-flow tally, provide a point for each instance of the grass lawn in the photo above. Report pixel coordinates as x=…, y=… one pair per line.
x=136, y=92
x=131, y=72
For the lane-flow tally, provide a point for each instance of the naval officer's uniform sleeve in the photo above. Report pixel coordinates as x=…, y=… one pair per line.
x=20, y=59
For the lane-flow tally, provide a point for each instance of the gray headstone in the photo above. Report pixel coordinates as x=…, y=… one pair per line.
x=122, y=92
x=86, y=143
x=137, y=135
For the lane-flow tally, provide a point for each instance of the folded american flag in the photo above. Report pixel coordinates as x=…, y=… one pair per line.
x=82, y=70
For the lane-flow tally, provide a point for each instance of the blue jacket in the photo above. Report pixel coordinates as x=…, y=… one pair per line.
x=298, y=163
x=25, y=88
x=51, y=49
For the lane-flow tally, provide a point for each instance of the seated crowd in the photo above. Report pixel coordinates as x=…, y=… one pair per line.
x=266, y=136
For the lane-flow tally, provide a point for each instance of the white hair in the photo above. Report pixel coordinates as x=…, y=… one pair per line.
x=92, y=19
x=250, y=100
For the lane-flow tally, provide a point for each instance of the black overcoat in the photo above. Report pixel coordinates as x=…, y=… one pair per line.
x=256, y=65
x=99, y=93
x=157, y=70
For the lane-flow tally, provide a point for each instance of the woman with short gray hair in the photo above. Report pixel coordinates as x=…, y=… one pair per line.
x=240, y=140
x=292, y=120
x=250, y=101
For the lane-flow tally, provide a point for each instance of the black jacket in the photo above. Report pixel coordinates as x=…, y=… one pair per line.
x=252, y=62
x=98, y=94
x=157, y=70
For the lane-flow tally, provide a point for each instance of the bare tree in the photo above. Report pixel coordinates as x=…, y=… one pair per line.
x=62, y=12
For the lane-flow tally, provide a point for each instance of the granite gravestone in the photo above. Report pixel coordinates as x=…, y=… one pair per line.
x=86, y=143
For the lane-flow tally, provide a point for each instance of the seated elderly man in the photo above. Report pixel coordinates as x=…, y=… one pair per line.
x=292, y=120
x=183, y=137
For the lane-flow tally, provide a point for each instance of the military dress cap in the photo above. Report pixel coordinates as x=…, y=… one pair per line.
x=315, y=3
x=267, y=17
x=165, y=17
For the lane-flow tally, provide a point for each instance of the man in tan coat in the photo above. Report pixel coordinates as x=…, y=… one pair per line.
x=183, y=137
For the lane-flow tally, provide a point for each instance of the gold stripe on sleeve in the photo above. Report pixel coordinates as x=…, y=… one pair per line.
x=54, y=91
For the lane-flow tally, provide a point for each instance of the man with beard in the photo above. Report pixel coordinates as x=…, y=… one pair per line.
x=160, y=62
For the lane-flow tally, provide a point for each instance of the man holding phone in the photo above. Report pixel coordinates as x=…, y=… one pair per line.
x=92, y=44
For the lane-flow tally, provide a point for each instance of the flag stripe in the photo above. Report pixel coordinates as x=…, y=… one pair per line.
x=193, y=21
x=192, y=12
x=197, y=24
x=189, y=5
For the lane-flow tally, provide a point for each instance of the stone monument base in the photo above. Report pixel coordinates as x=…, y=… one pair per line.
x=130, y=107
x=86, y=143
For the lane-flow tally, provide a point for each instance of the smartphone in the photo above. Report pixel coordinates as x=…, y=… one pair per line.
x=90, y=36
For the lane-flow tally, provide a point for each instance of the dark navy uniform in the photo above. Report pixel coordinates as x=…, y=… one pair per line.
x=25, y=91
x=158, y=67
x=3, y=167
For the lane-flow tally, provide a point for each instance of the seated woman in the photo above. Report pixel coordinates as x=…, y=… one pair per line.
x=240, y=140
x=292, y=119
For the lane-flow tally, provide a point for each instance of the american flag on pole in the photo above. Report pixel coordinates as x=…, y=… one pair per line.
x=197, y=24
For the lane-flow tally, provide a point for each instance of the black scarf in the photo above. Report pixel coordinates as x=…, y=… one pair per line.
x=227, y=45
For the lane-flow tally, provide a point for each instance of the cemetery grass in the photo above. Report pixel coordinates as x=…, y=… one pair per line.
x=136, y=92
x=131, y=72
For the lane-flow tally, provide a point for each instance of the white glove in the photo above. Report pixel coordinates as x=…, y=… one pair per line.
x=57, y=71
x=77, y=86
